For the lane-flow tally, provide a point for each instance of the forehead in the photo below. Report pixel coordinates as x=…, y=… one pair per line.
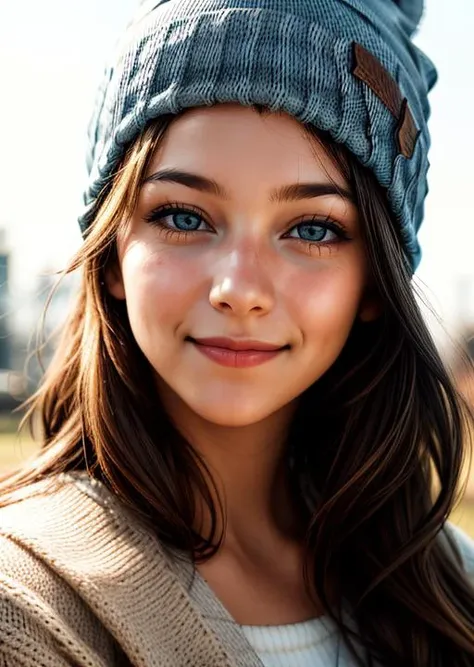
x=233, y=142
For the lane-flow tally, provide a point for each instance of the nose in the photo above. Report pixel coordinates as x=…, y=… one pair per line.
x=242, y=286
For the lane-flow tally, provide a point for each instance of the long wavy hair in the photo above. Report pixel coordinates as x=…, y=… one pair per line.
x=375, y=482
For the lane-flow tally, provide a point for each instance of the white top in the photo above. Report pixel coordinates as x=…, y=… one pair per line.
x=311, y=643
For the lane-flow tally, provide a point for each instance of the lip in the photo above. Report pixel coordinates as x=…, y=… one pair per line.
x=238, y=344
x=237, y=353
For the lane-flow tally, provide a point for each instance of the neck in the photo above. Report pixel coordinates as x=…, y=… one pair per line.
x=248, y=466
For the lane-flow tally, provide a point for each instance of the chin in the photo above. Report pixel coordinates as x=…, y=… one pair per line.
x=233, y=415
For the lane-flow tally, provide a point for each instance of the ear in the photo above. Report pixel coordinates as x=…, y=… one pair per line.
x=370, y=308
x=114, y=281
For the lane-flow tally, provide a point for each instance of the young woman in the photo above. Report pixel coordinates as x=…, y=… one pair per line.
x=250, y=446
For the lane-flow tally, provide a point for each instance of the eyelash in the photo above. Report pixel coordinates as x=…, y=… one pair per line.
x=155, y=217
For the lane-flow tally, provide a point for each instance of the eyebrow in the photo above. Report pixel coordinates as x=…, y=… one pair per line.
x=299, y=191
x=194, y=181
x=284, y=193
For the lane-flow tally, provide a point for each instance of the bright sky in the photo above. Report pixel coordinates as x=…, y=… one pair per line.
x=51, y=58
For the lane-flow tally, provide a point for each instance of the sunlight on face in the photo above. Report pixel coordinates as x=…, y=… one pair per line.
x=244, y=267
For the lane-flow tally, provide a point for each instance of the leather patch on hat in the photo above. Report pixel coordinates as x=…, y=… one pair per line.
x=407, y=133
x=368, y=69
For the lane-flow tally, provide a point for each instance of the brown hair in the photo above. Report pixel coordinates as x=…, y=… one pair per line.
x=375, y=489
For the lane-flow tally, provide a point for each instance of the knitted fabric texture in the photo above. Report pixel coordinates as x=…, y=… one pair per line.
x=83, y=583
x=348, y=67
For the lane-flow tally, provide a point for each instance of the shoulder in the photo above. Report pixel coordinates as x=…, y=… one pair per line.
x=63, y=511
x=43, y=618
x=91, y=572
x=464, y=545
x=71, y=523
x=43, y=614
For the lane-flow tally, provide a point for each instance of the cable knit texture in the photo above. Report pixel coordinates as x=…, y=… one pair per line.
x=83, y=584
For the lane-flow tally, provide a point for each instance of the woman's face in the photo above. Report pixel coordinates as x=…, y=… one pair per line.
x=243, y=268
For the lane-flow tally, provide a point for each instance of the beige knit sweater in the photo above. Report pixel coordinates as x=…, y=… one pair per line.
x=81, y=584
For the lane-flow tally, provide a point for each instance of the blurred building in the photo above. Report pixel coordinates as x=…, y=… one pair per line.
x=5, y=330
x=48, y=306
x=23, y=330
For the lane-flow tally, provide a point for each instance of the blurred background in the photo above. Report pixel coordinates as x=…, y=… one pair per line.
x=52, y=55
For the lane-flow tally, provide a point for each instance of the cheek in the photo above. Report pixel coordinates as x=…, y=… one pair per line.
x=325, y=303
x=159, y=286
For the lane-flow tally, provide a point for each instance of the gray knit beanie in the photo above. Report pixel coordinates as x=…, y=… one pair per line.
x=348, y=67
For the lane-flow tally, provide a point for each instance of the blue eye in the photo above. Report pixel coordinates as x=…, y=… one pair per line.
x=315, y=232
x=186, y=222
x=177, y=219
